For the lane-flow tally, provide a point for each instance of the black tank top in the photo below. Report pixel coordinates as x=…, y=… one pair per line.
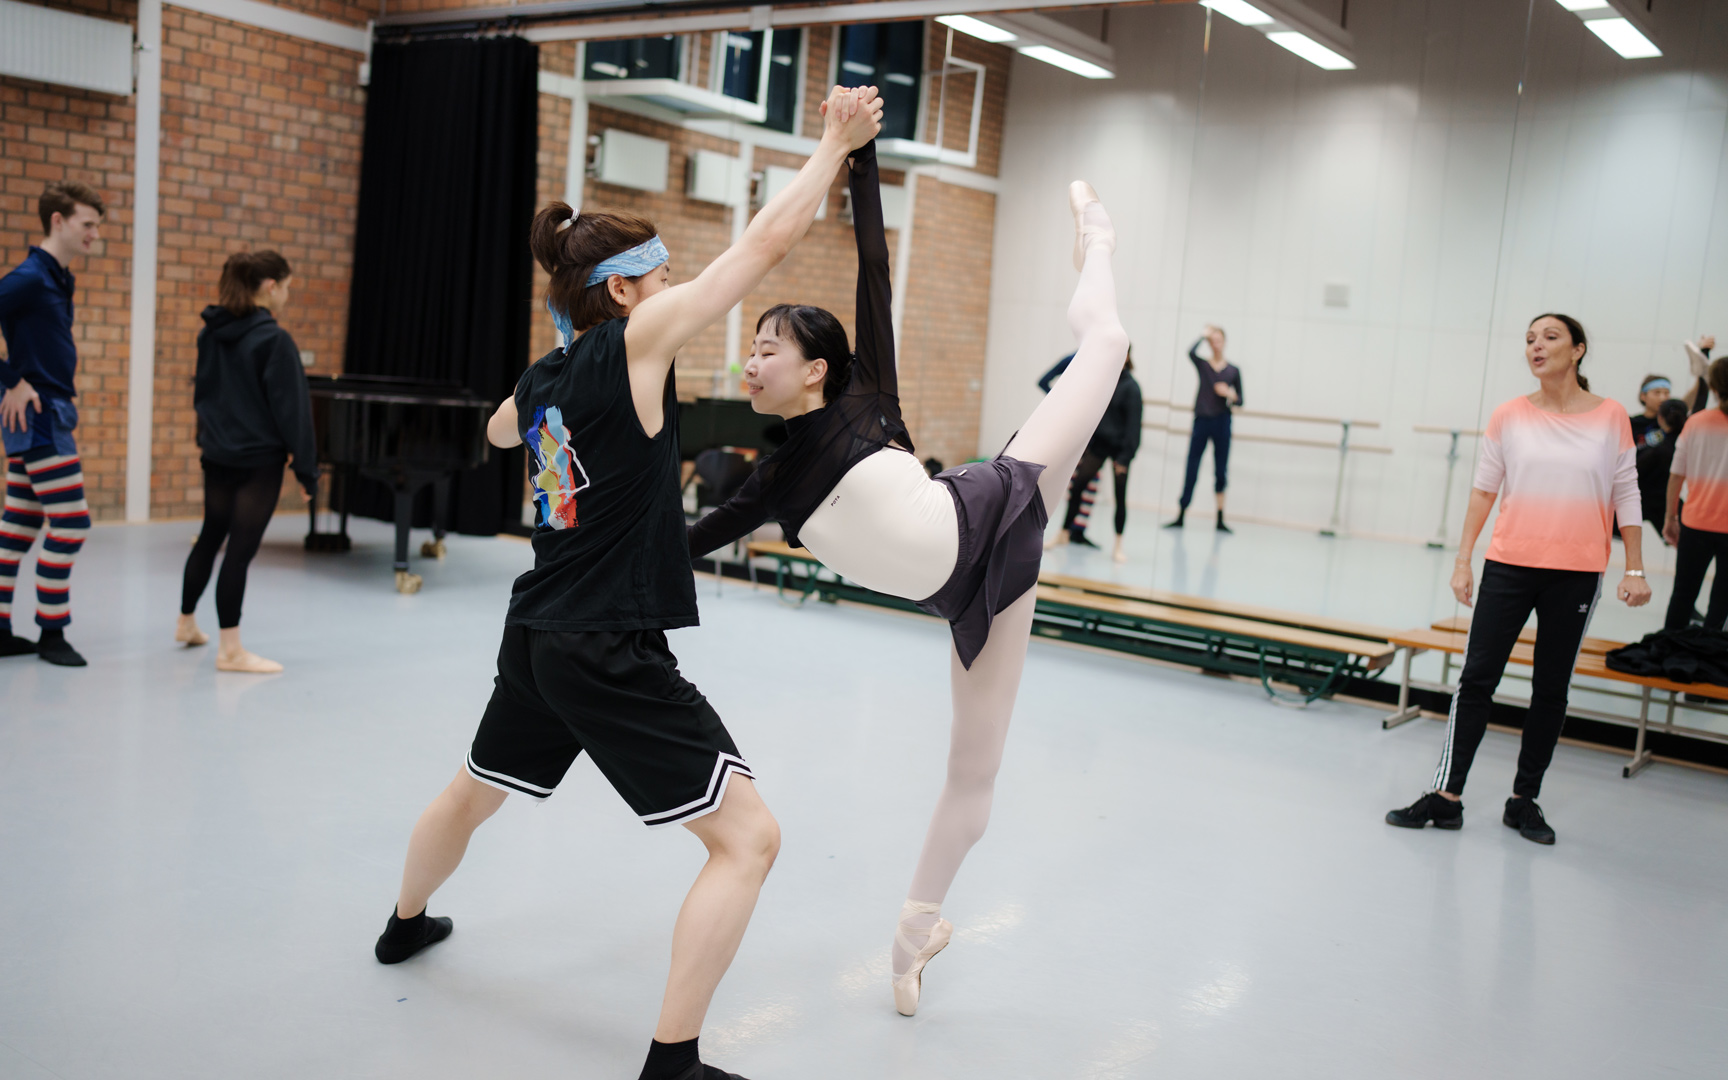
x=611, y=552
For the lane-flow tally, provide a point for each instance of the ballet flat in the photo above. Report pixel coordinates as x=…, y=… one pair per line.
x=194, y=636
x=249, y=663
x=908, y=986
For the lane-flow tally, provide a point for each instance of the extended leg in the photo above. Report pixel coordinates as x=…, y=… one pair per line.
x=983, y=705
x=1503, y=603
x=743, y=840
x=1563, y=610
x=1060, y=427
x=20, y=524
x=1691, y=560
x=58, y=482
x=220, y=484
x=1717, y=613
x=441, y=839
x=1082, y=493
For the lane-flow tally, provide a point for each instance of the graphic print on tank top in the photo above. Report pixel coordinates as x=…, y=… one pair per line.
x=559, y=476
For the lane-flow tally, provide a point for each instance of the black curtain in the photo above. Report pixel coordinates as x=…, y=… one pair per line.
x=442, y=273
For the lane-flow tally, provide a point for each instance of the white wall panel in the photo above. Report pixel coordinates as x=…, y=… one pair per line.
x=65, y=49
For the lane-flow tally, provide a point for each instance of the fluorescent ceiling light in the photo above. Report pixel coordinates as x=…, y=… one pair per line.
x=1583, y=5
x=1249, y=15
x=978, y=28
x=1623, y=38
x=1060, y=59
x=1310, y=50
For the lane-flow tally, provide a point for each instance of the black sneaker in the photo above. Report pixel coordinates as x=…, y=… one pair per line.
x=1435, y=807
x=403, y=938
x=58, y=651
x=1525, y=816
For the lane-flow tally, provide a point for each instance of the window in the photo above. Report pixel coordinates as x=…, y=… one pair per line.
x=633, y=58
x=889, y=56
x=783, y=84
x=740, y=64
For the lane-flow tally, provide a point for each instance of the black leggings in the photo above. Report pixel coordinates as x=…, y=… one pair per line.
x=1563, y=601
x=1082, y=491
x=1691, y=560
x=238, y=504
x=1214, y=429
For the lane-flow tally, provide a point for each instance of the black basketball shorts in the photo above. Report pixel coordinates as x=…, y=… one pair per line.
x=617, y=695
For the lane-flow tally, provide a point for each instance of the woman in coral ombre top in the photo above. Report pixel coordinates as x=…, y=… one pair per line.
x=1565, y=461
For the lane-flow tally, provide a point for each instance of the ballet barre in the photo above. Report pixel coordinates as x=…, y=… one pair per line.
x=1439, y=540
x=1343, y=446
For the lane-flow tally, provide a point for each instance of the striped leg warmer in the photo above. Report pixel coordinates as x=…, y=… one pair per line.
x=57, y=482
x=20, y=521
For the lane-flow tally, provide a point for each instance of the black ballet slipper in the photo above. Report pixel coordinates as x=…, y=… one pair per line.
x=13, y=645
x=403, y=938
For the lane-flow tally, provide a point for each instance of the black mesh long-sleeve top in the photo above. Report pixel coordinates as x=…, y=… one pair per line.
x=823, y=445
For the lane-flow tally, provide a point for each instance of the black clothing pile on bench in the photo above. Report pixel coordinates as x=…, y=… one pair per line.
x=1688, y=654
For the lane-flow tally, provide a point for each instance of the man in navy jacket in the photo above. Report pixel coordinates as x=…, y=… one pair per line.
x=44, y=482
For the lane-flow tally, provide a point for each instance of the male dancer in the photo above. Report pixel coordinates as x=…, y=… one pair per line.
x=44, y=483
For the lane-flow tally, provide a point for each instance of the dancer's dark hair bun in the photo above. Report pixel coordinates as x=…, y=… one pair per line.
x=818, y=334
x=569, y=253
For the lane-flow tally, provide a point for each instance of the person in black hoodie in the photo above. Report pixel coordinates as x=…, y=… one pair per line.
x=254, y=414
x=1118, y=440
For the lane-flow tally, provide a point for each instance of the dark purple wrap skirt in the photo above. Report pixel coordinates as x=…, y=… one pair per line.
x=1001, y=518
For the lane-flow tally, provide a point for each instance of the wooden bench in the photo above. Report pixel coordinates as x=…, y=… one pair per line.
x=1314, y=654
x=1448, y=636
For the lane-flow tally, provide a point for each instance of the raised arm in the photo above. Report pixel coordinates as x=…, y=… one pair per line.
x=874, y=370
x=663, y=323
x=1049, y=378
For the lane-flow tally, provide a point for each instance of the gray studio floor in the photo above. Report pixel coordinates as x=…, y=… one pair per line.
x=1181, y=879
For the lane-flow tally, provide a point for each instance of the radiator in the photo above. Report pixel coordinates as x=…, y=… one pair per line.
x=68, y=50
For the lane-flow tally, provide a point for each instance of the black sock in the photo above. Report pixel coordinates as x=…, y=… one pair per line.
x=51, y=636
x=671, y=1061
x=400, y=930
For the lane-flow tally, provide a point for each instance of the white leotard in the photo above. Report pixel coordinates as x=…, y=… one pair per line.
x=887, y=526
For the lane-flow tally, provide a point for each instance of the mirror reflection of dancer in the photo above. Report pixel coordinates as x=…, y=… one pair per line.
x=1563, y=458
x=1220, y=391
x=1655, y=429
x=965, y=545
x=584, y=664
x=254, y=412
x=1699, y=527
x=1117, y=440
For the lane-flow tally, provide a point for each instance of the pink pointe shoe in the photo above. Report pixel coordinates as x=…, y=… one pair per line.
x=1089, y=227
x=909, y=986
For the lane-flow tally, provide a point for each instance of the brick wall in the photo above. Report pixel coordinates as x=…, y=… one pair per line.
x=261, y=142
x=942, y=346
x=58, y=133
x=260, y=149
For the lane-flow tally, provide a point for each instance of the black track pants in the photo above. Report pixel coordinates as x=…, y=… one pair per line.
x=1082, y=493
x=1691, y=560
x=1563, y=601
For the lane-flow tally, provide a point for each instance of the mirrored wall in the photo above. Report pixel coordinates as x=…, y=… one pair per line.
x=1365, y=242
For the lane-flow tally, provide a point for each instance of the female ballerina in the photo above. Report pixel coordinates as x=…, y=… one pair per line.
x=964, y=545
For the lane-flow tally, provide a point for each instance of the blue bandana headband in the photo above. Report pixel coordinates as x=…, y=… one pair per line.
x=633, y=263
x=1656, y=384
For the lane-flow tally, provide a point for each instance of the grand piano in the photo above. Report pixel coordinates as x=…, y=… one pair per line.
x=404, y=433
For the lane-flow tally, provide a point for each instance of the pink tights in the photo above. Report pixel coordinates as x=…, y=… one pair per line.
x=1054, y=436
